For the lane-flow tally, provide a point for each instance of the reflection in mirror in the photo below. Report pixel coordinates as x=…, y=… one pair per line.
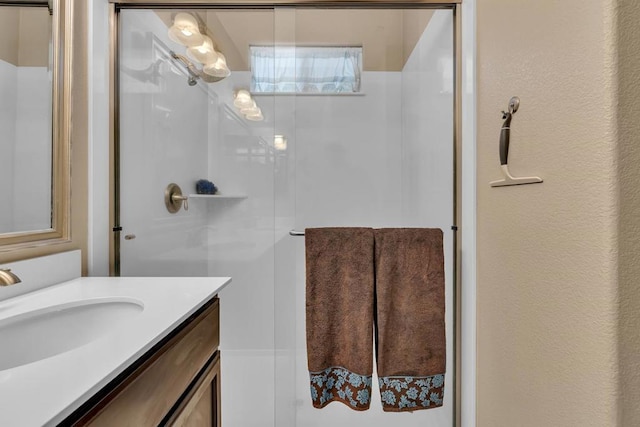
x=25, y=119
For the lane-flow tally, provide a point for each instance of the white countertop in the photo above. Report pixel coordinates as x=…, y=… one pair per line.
x=47, y=391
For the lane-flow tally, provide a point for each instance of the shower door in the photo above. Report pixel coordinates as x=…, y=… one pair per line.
x=163, y=135
x=372, y=148
x=355, y=129
x=175, y=131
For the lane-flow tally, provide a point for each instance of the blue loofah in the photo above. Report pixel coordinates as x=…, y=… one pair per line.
x=204, y=186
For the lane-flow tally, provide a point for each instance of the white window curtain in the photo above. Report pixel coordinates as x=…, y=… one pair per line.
x=295, y=69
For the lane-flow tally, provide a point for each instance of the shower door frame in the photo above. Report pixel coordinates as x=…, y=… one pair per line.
x=114, y=121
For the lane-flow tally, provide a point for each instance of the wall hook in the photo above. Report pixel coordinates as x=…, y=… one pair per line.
x=505, y=135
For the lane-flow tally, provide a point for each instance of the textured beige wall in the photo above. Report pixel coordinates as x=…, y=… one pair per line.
x=24, y=35
x=628, y=118
x=547, y=253
x=35, y=32
x=9, y=35
x=80, y=133
x=414, y=24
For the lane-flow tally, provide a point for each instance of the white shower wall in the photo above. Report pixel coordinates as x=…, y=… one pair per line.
x=342, y=167
x=25, y=120
x=32, y=168
x=240, y=232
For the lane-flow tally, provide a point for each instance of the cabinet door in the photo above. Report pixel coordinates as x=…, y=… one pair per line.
x=150, y=393
x=201, y=408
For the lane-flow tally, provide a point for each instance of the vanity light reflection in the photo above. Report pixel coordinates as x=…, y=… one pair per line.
x=219, y=68
x=204, y=53
x=243, y=101
x=280, y=142
x=185, y=30
x=200, y=47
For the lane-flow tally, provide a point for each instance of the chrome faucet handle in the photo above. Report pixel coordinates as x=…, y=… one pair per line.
x=8, y=278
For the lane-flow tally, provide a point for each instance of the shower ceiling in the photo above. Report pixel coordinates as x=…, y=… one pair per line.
x=387, y=36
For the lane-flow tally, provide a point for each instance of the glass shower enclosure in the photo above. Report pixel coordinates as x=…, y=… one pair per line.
x=301, y=117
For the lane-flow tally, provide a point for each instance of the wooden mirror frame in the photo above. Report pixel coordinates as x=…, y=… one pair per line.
x=60, y=136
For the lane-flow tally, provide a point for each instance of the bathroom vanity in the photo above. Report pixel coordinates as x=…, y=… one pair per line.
x=113, y=351
x=175, y=383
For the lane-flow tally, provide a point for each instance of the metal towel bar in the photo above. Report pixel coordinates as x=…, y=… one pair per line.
x=301, y=233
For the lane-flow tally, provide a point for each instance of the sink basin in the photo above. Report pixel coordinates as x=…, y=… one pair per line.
x=43, y=333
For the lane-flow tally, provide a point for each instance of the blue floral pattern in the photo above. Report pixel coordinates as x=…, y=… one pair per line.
x=411, y=393
x=339, y=384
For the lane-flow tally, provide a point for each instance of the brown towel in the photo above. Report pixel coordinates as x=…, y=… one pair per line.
x=339, y=302
x=411, y=347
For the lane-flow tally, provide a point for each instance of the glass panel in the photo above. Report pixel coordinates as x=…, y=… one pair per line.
x=380, y=158
x=383, y=158
x=163, y=135
x=181, y=122
x=25, y=119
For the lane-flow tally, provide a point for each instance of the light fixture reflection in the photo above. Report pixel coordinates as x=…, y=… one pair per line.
x=279, y=142
x=185, y=30
x=203, y=53
x=243, y=99
x=200, y=48
x=218, y=68
x=256, y=117
x=252, y=110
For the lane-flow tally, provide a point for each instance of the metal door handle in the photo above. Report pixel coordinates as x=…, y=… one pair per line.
x=129, y=237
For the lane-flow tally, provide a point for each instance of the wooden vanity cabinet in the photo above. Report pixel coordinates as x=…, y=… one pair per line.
x=201, y=408
x=176, y=383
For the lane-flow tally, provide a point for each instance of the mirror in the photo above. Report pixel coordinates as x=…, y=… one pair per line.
x=25, y=118
x=34, y=147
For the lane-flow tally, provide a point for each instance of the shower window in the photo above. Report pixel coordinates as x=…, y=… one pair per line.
x=308, y=69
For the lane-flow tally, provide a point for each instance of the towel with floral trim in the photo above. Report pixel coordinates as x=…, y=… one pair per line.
x=410, y=309
x=388, y=280
x=339, y=311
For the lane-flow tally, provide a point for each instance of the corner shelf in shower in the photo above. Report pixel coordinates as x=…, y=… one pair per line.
x=218, y=196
